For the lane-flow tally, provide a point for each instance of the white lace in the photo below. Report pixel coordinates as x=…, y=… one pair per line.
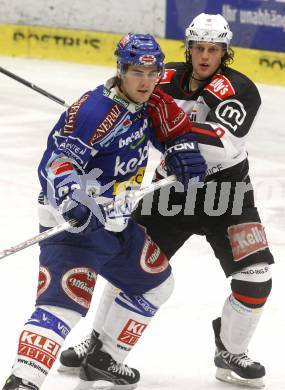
x=242, y=359
x=82, y=348
x=120, y=368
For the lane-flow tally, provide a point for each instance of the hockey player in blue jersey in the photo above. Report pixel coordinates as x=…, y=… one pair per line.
x=99, y=148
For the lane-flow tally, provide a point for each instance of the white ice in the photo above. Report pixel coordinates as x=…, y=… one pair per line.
x=177, y=349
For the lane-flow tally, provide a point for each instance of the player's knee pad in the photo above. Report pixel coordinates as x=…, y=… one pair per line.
x=252, y=285
x=160, y=294
x=148, y=303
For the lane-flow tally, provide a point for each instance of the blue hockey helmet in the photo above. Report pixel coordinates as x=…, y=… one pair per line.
x=139, y=49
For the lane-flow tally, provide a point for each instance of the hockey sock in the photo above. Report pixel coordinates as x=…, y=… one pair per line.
x=243, y=308
x=129, y=316
x=40, y=341
x=107, y=298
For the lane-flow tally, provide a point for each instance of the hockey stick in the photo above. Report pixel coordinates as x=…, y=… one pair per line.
x=33, y=86
x=133, y=196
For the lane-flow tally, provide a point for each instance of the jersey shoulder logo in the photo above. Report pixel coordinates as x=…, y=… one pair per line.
x=221, y=87
x=167, y=76
x=71, y=114
x=106, y=125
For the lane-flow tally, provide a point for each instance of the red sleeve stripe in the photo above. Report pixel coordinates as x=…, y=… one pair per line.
x=211, y=133
x=61, y=167
x=250, y=300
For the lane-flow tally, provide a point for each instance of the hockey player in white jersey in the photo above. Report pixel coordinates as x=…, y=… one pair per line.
x=222, y=104
x=98, y=148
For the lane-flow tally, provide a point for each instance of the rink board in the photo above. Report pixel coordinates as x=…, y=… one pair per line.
x=91, y=47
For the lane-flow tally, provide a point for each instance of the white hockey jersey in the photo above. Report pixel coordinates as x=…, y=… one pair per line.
x=222, y=112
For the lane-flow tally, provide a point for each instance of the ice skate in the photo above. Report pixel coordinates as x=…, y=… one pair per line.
x=71, y=358
x=99, y=371
x=237, y=369
x=15, y=383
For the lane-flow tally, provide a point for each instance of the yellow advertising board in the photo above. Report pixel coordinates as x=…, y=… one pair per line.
x=91, y=47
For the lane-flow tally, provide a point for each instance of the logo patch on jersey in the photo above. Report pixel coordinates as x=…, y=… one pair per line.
x=167, y=76
x=120, y=128
x=106, y=125
x=78, y=284
x=71, y=114
x=221, y=87
x=135, y=138
x=44, y=280
x=153, y=260
x=133, y=181
x=220, y=132
x=59, y=167
x=120, y=100
x=232, y=113
x=38, y=347
x=123, y=168
x=131, y=332
x=246, y=239
x=75, y=149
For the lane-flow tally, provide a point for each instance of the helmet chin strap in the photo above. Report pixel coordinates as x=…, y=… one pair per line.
x=195, y=78
x=206, y=79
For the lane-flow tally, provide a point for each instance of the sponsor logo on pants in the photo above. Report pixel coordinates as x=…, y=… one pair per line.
x=44, y=280
x=153, y=260
x=79, y=284
x=246, y=239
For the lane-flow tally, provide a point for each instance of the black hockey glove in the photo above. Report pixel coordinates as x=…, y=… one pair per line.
x=184, y=159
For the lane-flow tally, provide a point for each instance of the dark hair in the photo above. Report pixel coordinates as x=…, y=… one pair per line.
x=117, y=79
x=227, y=59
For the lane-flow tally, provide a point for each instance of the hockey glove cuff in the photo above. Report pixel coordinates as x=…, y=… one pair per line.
x=184, y=159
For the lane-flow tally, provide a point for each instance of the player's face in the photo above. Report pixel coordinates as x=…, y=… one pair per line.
x=206, y=58
x=138, y=82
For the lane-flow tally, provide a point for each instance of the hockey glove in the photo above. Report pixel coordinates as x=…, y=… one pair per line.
x=168, y=119
x=71, y=199
x=184, y=159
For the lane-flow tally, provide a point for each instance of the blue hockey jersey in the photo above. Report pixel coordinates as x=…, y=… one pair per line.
x=102, y=130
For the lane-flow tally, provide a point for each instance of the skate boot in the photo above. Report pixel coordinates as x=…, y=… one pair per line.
x=71, y=358
x=15, y=383
x=99, y=371
x=237, y=369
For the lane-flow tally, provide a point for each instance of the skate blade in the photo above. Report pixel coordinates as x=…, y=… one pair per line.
x=72, y=371
x=102, y=385
x=229, y=376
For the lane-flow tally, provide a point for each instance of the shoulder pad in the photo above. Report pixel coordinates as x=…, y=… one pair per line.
x=221, y=87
